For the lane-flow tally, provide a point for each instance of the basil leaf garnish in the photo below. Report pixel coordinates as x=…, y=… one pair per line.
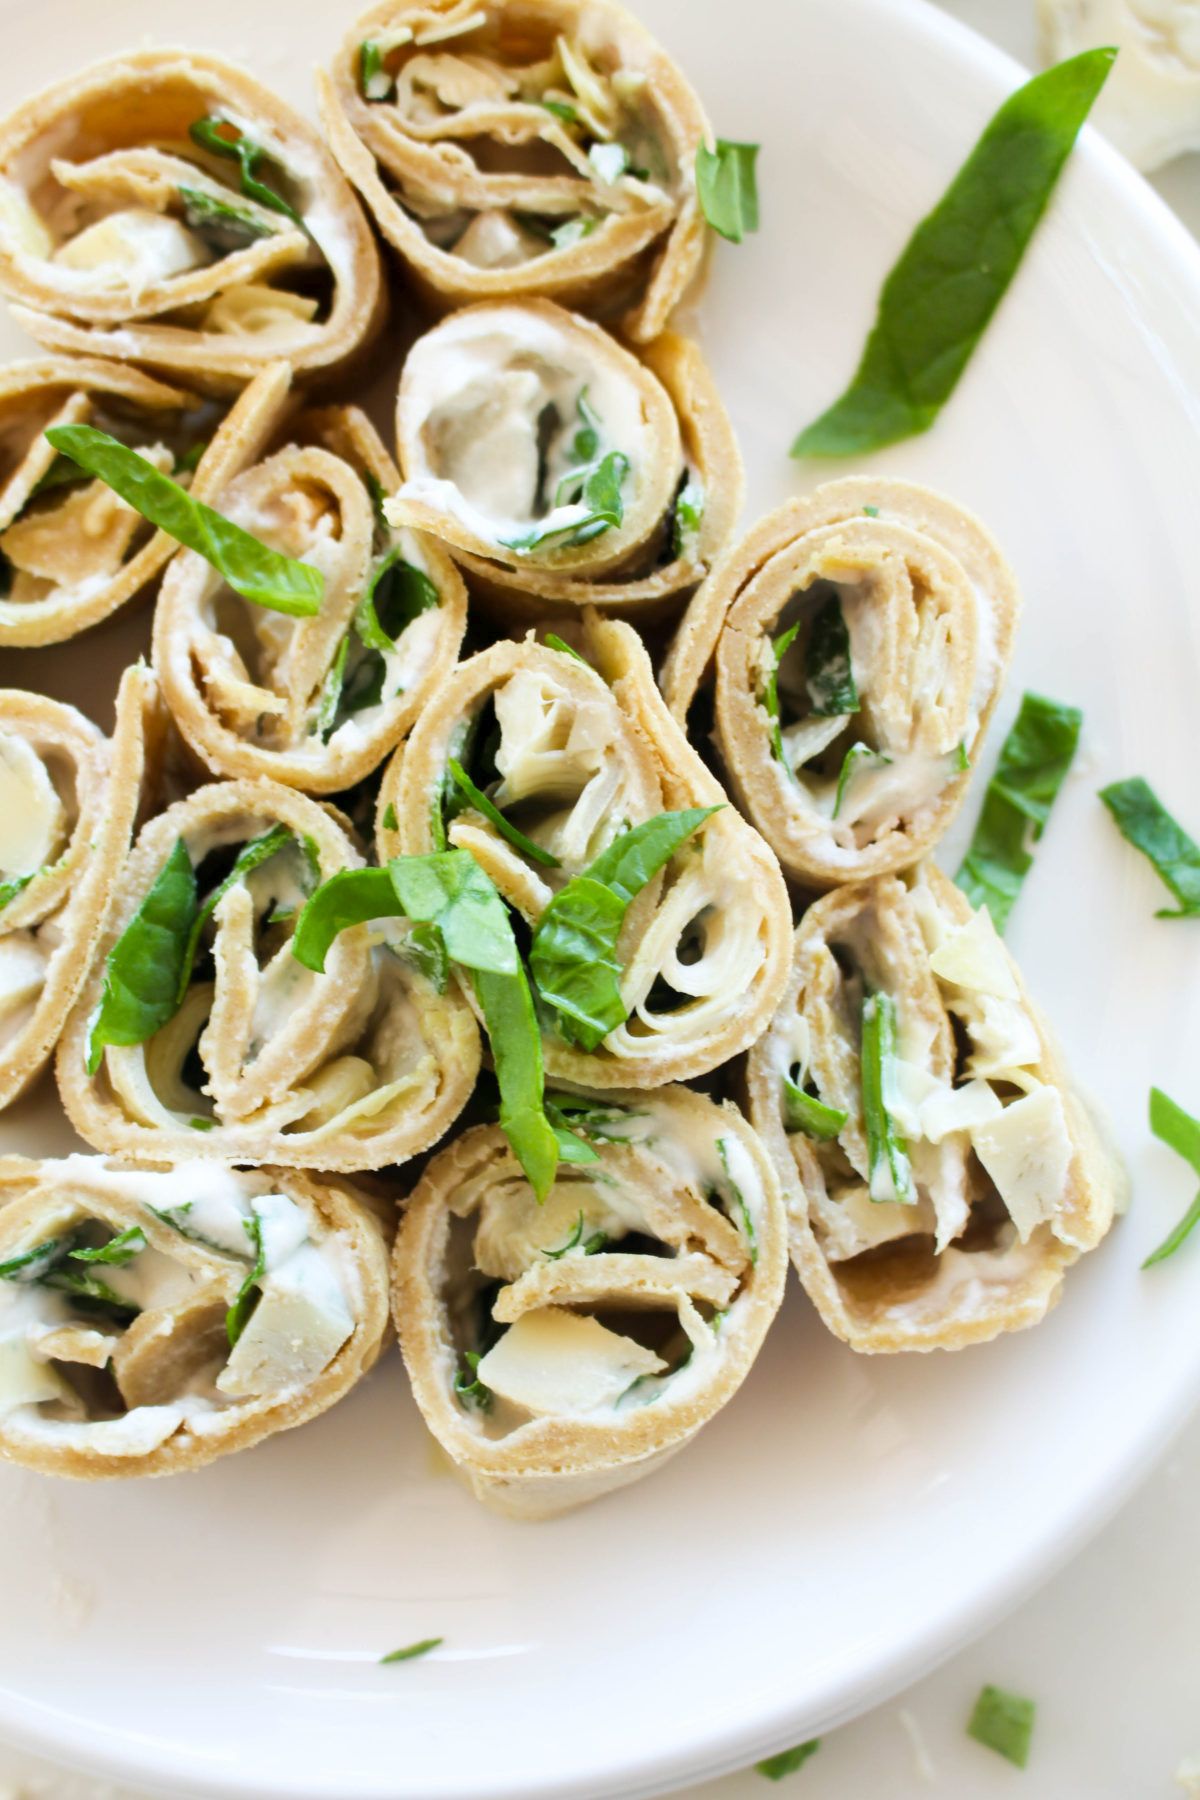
x=1181, y=1133
x=857, y=757
x=804, y=1112
x=828, y=668
x=952, y=274
x=788, y=1761
x=1144, y=821
x=887, y=1152
x=221, y=137
x=411, y=1650
x=397, y=592
x=92, y=1290
x=1034, y=760
x=599, y=490
x=594, y=1244
x=10, y=889
x=142, y=971
x=1004, y=1723
x=727, y=187
x=32, y=1265
x=119, y=1250
x=468, y=1389
x=329, y=699
x=374, y=82
x=739, y=1202
x=259, y=850
x=479, y=800
x=251, y=568
x=516, y=1041
x=687, y=518
x=238, y=1316
x=770, y=694
x=61, y=473
x=573, y=958
x=571, y=1147
x=221, y=225
x=554, y=642
x=350, y=897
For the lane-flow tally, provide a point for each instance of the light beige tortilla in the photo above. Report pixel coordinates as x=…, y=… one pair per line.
x=937, y=609
x=472, y=1220
x=245, y=684
x=354, y=1069
x=111, y=143
x=140, y=1397
x=646, y=565
x=958, y=1267
x=467, y=173
x=49, y=928
x=599, y=744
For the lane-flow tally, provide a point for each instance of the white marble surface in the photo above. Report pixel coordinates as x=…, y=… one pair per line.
x=1110, y=1649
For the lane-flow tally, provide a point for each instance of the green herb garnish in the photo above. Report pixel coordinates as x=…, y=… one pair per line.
x=858, y=758
x=573, y=958
x=238, y=1316
x=687, y=519
x=10, y=889
x=953, y=272
x=554, y=642
x=598, y=489
x=119, y=1250
x=595, y=1242
x=573, y=231
x=31, y=1265
x=887, y=1153
x=828, y=668
x=770, y=694
x=143, y=970
x=1144, y=821
x=250, y=857
x=221, y=137
x=479, y=800
x=468, y=1389
x=251, y=568
x=803, y=1112
x=1034, y=760
x=727, y=187
x=390, y=821
x=788, y=1761
x=411, y=1650
x=223, y=226
x=374, y=82
x=738, y=1202
x=1004, y=1723
x=1181, y=1133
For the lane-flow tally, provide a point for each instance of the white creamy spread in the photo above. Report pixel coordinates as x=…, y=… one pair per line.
x=32, y=820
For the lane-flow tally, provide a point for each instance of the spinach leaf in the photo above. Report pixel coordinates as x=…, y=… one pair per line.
x=1177, y=1129
x=770, y=694
x=397, y=592
x=259, y=850
x=350, y=897
x=218, y=223
x=598, y=489
x=1004, y=1723
x=479, y=800
x=61, y=473
x=788, y=1761
x=329, y=699
x=143, y=970
x=411, y=1650
x=953, y=272
x=739, y=1206
x=554, y=642
x=119, y=1250
x=804, y=1112
x=221, y=137
x=238, y=1316
x=32, y=1265
x=468, y=1389
x=374, y=82
x=572, y=1148
x=727, y=187
x=857, y=758
x=1145, y=822
x=1034, y=760
x=573, y=958
x=516, y=1042
x=390, y=821
x=252, y=569
x=10, y=889
x=594, y=1119
x=887, y=1153
x=828, y=668
x=189, y=460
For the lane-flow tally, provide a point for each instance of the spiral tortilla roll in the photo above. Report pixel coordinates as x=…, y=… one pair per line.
x=122, y=234
x=71, y=551
x=307, y=701
x=263, y=1060
x=69, y=797
x=563, y=1350
x=523, y=147
x=1010, y=1180
x=506, y=410
x=573, y=754
x=857, y=641
x=153, y=1321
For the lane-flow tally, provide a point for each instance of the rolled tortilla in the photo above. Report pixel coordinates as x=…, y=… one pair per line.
x=121, y=236
x=906, y=613
x=563, y=1350
x=307, y=701
x=505, y=409
x=523, y=147
x=1011, y=1180
x=71, y=552
x=69, y=798
x=572, y=754
x=262, y=1060
x=153, y=1321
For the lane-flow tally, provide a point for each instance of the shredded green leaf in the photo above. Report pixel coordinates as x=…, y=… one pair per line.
x=1181, y=1133
x=727, y=187
x=411, y=1650
x=1004, y=1723
x=1034, y=760
x=238, y=1316
x=119, y=1250
x=951, y=276
x=390, y=821
x=828, y=669
x=221, y=225
x=251, y=856
x=770, y=694
x=887, y=1153
x=1144, y=821
x=479, y=800
x=738, y=1199
x=598, y=490
x=788, y=1761
x=143, y=970
x=803, y=1112
x=221, y=137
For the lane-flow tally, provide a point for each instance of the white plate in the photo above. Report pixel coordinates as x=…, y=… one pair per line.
x=847, y=1521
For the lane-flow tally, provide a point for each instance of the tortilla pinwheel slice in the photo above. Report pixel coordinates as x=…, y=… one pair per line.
x=164, y=208
x=523, y=147
x=69, y=799
x=561, y=468
x=660, y=924
x=151, y=1321
x=558, y=1351
x=199, y=1034
x=854, y=644
x=940, y=1171
x=71, y=551
x=314, y=701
